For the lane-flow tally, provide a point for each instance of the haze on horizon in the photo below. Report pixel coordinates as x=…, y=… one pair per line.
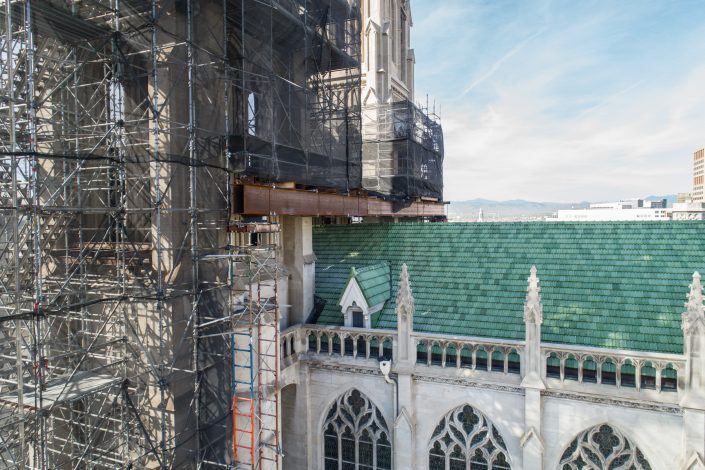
x=564, y=101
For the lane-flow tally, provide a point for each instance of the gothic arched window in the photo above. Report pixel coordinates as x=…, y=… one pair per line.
x=355, y=435
x=603, y=447
x=466, y=440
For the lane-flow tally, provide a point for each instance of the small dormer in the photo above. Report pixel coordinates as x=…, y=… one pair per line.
x=367, y=291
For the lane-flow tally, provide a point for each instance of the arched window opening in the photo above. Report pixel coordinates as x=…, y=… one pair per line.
x=514, y=362
x=312, y=343
x=466, y=439
x=669, y=379
x=466, y=357
x=325, y=343
x=348, y=346
x=609, y=372
x=571, y=368
x=553, y=366
x=627, y=374
x=481, y=359
x=387, y=348
x=589, y=370
x=355, y=435
x=497, y=361
x=436, y=354
x=252, y=108
x=361, y=346
x=605, y=448
x=648, y=376
x=335, y=344
x=451, y=355
x=421, y=353
x=376, y=347
x=358, y=318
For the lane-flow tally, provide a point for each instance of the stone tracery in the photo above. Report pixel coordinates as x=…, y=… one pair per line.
x=466, y=440
x=355, y=435
x=603, y=448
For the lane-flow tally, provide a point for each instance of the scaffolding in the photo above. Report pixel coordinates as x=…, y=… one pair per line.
x=402, y=153
x=254, y=338
x=123, y=126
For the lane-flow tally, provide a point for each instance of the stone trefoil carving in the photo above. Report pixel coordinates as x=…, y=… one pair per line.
x=603, y=448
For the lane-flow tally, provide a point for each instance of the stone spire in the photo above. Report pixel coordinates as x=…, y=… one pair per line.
x=532, y=381
x=533, y=318
x=406, y=348
x=405, y=298
x=533, y=310
x=693, y=319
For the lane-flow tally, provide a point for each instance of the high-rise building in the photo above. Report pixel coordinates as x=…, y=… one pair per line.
x=699, y=175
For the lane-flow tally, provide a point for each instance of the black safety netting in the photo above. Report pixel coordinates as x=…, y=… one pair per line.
x=297, y=94
x=402, y=152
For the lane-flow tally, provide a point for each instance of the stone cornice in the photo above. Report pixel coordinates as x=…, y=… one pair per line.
x=347, y=368
x=604, y=400
x=467, y=383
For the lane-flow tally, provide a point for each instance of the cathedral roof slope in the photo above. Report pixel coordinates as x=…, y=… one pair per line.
x=613, y=285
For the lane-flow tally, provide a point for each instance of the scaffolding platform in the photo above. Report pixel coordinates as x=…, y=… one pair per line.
x=62, y=390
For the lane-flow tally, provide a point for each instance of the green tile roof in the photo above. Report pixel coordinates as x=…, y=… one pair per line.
x=614, y=285
x=375, y=282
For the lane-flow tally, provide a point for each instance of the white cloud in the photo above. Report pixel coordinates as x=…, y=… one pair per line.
x=593, y=107
x=625, y=149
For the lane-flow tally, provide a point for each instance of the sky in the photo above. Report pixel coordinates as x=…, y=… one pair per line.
x=564, y=100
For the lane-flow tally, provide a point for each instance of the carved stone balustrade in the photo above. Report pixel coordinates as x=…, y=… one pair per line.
x=564, y=367
x=622, y=369
x=468, y=352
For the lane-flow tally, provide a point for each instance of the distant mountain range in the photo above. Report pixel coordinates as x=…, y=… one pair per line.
x=519, y=209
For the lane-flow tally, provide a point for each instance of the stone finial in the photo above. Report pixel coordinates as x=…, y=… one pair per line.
x=533, y=310
x=405, y=298
x=694, y=314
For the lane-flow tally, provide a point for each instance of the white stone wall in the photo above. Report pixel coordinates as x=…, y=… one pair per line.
x=433, y=401
x=659, y=434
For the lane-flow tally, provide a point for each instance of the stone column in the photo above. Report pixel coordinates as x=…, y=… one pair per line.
x=404, y=359
x=532, y=382
x=300, y=262
x=693, y=400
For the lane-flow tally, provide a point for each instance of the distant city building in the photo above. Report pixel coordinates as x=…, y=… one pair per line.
x=682, y=198
x=699, y=175
x=631, y=204
x=633, y=209
x=688, y=211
